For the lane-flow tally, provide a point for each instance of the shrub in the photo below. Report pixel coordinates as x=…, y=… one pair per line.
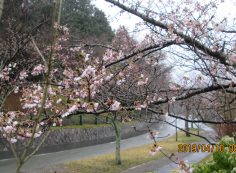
x=223, y=162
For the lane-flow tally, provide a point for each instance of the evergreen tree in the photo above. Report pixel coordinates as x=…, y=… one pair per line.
x=85, y=20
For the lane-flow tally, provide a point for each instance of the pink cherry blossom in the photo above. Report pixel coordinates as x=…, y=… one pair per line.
x=8, y=129
x=142, y=80
x=39, y=69
x=59, y=101
x=23, y=75
x=13, y=140
x=68, y=73
x=29, y=105
x=115, y=106
x=158, y=148
x=153, y=135
x=89, y=71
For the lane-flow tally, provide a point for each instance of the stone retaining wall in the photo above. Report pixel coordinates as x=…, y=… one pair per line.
x=62, y=139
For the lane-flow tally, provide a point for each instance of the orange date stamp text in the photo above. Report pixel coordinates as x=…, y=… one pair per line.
x=194, y=148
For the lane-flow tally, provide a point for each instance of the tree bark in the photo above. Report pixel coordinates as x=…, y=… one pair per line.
x=96, y=120
x=81, y=120
x=176, y=130
x=19, y=167
x=1, y=7
x=117, y=128
x=186, y=122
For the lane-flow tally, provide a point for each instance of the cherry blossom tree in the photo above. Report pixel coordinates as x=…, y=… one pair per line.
x=131, y=75
x=74, y=75
x=117, y=88
x=195, y=28
x=15, y=125
x=201, y=39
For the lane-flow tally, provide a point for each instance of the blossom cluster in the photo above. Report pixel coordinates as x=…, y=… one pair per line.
x=183, y=166
x=13, y=129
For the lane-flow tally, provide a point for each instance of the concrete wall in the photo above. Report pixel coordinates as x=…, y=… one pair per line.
x=63, y=139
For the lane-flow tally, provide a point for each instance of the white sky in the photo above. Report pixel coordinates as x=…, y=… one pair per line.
x=116, y=19
x=114, y=16
x=227, y=9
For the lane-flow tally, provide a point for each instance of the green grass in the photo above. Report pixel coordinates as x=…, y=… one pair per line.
x=130, y=157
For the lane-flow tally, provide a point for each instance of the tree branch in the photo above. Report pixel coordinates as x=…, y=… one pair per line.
x=188, y=40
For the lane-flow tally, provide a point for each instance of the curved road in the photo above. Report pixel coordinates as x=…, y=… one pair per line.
x=47, y=160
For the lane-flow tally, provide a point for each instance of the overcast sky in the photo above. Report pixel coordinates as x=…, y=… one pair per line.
x=227, y=9
x=115, y=18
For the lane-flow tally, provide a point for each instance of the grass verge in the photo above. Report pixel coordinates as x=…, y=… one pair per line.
x=206, y=159
x=130, y=157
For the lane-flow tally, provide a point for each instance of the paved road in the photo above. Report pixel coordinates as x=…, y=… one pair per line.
x=46, y=160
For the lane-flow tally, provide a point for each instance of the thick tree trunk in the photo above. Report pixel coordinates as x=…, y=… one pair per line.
x=18, y=170
x=19, y=165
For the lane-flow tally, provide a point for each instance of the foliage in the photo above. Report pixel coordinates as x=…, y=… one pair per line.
x=207, y=158
x=223, y=162
x=85, y=20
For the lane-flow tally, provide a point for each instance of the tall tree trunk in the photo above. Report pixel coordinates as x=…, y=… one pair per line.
x=18, y=169
x=81, y=120
x=107, y=120
x=19, y=165
x=198, y=129
x=117, y=128
x=96, y=120
x=176, y=130
x=1, y=7
x=186, y=122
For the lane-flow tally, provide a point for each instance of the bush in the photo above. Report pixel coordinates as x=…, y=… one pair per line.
x=223, y=162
